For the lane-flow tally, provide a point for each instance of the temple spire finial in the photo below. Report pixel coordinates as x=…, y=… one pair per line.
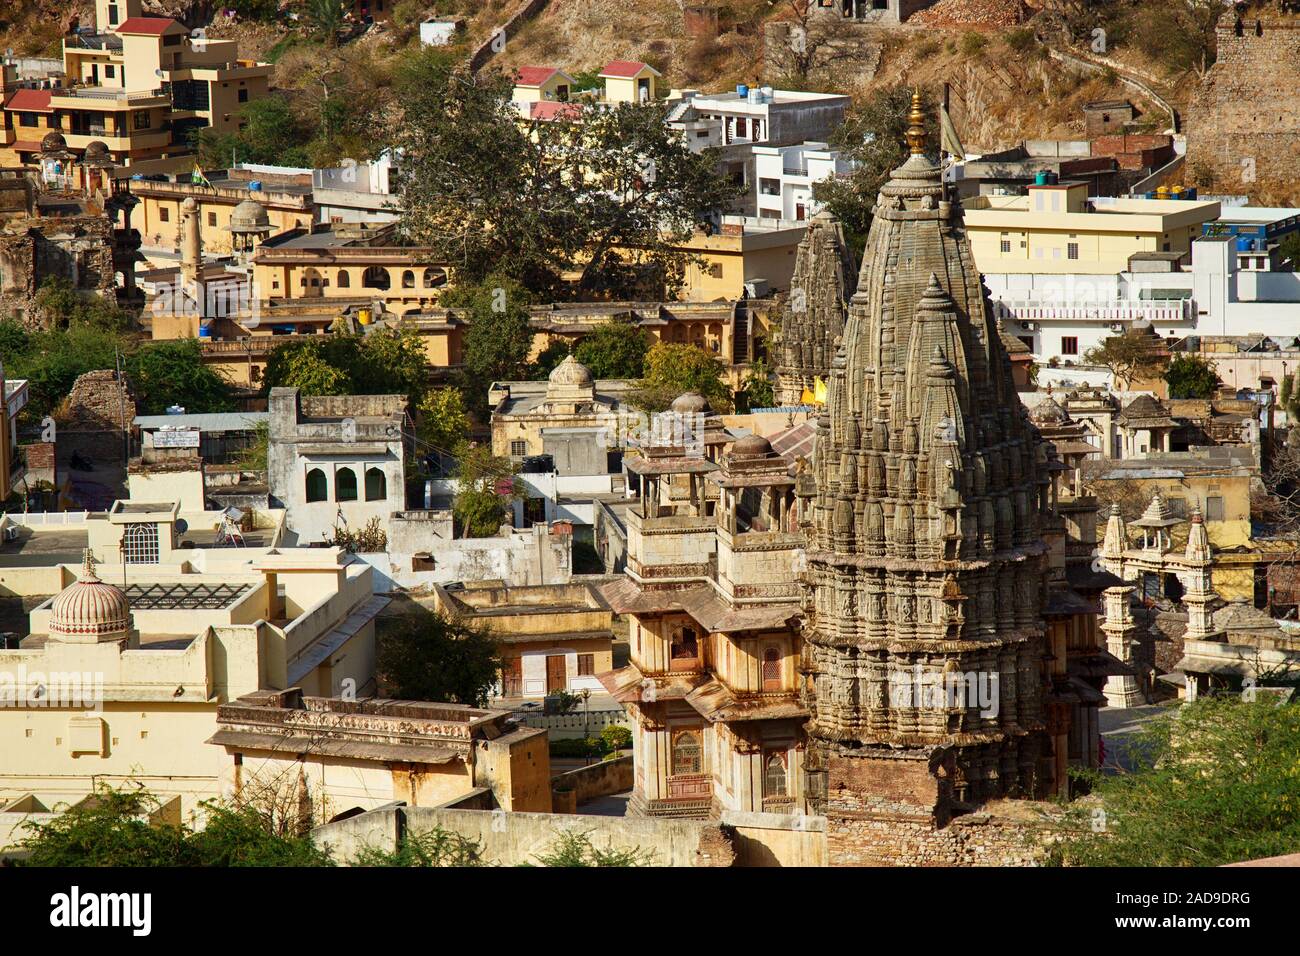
x=88, y=565
x=916, y=125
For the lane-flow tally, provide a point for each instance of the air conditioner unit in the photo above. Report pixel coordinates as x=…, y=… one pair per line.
x=1029, y=326
x=1117, y=326
x=11, y=533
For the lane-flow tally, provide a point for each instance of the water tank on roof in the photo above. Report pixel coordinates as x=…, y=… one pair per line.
x=255, y=186
x=1040, y=177
x=205, y=330
x=742, y=90
x=1245, y=244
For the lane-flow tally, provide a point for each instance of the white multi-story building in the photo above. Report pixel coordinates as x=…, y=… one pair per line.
x=785, y=175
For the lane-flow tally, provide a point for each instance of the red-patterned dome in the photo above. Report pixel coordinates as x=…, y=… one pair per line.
x=89, y=607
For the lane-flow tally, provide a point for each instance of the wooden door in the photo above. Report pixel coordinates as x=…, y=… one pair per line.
x=555, y=673
x=513, y=677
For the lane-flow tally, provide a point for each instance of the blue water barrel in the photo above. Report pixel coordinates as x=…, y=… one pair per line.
x=1040, y=177
x=742, y=90
x=1245, y=244
x=255, y=186
x=205, y=330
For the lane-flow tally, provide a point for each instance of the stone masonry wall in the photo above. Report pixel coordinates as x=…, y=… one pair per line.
x=1245, y=119
x=976, y=840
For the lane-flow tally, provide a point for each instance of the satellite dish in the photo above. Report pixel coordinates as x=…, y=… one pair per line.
x=182, y=526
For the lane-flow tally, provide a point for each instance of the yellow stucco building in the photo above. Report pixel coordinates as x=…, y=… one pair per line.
x=138, y=84
x=124, y=667
x=1057, y=228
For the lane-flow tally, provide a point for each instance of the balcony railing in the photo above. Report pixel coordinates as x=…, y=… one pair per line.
x=108, y=93
x=1119, y=310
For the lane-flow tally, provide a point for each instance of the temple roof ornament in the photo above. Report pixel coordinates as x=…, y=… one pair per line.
x=89, y=609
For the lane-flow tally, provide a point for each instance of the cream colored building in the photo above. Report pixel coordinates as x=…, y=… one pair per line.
x=1057, y=229
x=338, y=755
x=138, y=84
x=628, y=81
x=120, y=682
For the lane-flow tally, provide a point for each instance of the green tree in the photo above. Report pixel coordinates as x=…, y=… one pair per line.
x=426, y=655
x=500, y=337
x=874, y=138
x=271, y=131
x=1129, y=357
x=615, y=350
x=59, y=305
x=444, y=422
x=1190, y=376
x=302, y=365
x=758, y=385
x=674, y=369
x=1218, y=781
x=480, y=505
x=556, y=351
x=50, y=360
x=114, y=829
x=436, y=847
x=577, y=849
x=1289, y=250
x=388, y=361
x=169, y=373
x=490, y=194
x=325, y=18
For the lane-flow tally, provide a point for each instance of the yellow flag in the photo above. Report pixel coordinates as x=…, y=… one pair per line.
x=819, y=391
x=806, y=398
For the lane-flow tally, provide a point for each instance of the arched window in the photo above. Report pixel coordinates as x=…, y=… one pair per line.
x=344, y=279
x=140, y=544
x=771, y=669
x=317, y=489
x=434, y=278
x=686, y=753
x=685, y=648
x=376, y=485
x=345, y=485
x=408, y=279
x=376, y=277
x=774, y=775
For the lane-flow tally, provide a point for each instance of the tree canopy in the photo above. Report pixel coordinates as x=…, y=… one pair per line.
x=1218, y=781
x=614, y=350
x=1129, y=357
x=427, y=655
x=672, y=369
x=499, y=338
x=485, y=490
x=386, y=362
x=874, y=138
x=1190, y=376
x=541, y=201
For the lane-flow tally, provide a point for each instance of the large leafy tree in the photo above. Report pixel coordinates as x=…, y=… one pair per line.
x=272, y=131
x=427, y=655
x=614, y=350
x=1190, y=376
x=673, y=369
x=874, y=138
x=1218, y=781
x=386, y=362
x=539, y=200
x=499, y=338
x=1129, y=357
x=485, y=490
x=169, y=373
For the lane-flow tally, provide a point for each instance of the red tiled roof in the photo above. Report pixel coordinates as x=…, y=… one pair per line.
x=32, y=101
x=534, y=75
x=626, y=68
x=146, y=26
x=550, y=110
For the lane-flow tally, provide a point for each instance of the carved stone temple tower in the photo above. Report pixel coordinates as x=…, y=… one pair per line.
x=925, y=565
x=814, y=314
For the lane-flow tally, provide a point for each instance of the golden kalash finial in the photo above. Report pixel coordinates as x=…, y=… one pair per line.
x=916, y=125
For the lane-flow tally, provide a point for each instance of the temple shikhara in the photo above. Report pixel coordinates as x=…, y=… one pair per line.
x=913, y=573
